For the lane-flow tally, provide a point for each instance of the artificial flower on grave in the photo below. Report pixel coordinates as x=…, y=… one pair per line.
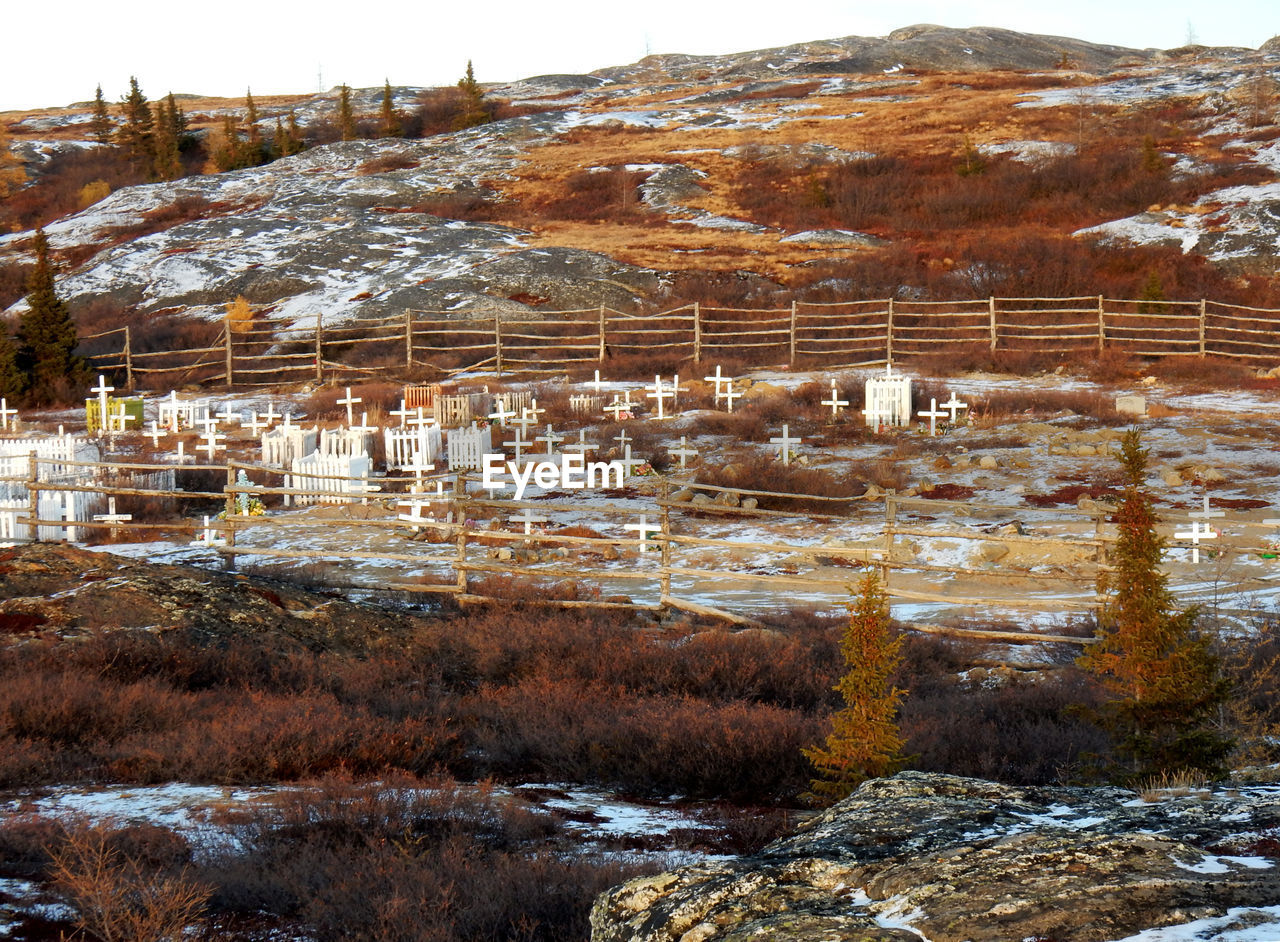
x=644, y=470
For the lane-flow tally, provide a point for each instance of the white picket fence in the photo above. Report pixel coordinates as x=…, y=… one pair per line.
x=178, y=413
x=888, y=400
x=62, y=505
x=348, y=474
x=345, y=442
x=282, y=446
x=467, y=448
x=403, y=445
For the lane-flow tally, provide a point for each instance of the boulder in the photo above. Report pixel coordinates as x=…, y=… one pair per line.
x=993, y=552
x=1131, y=405
x=683, y=496
x=1171, y=479
x=950, y=859
x=988, y=462
x=750, y=503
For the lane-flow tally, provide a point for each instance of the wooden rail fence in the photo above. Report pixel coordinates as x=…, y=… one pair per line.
x=837, y=335
x=460, y=561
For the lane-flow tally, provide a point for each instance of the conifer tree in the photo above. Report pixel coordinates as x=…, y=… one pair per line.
x=391, y=125
x=864, y=740
x=1159, y=670
x=101, y=124
x=12, y=174
x=12, y=382
x=137, y=133
x=47, y=336
x=225, y=148
x=177, y=122
x=346, y=119
x=473, y=111
x=293, y=136
x=168, y=162
x=254, y=150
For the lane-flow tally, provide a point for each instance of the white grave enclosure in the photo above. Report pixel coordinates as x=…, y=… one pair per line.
x=403, y=444
x=888, y=401
x=345, y=441
x=346, y=474
x=283, y=445
x=467, y=448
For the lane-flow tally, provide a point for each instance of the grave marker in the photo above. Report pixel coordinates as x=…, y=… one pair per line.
x=1195, y=536
x=835, y=402
x=643, y=529
x=349, y=401
x=784, y=443
x=660, y=393
x=684, y=451
x=933, y=413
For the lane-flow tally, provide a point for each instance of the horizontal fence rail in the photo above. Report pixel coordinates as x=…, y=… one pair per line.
x=654, y=551
x=836, y=335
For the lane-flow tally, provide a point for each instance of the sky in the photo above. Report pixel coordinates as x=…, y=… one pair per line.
x=58, y=51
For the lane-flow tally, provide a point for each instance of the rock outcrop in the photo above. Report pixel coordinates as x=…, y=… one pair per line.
x=949, y=859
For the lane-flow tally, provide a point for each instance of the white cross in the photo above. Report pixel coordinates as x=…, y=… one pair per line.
x=528, y=516
x=628, y=463
x=212, y=442
x=552, y=439
x=643, y=529
x=684, y=451
x=1195, y=536
x=288, y=420
x=617, y=407
x=933, y=413
x=403, y=413
x=877, y=415
x=419, y=466
x=596, y=384
x=675, y=390
x=102, y=389
x=111, y=516
x=1207, y=514
x=954, y=405
x=349, y=401
x=5, y=412
x=659, y=392
x=210, y=423
x=364, y=425
x=415, y=512
x=501, y=413
x=525, y=422
x=784, y=443
x=581, y=446
x=227, y=416
x=120, y=417
x=182, y=452
x=271, y=414
x=172, y=410
x=888, y=369
x=534, y=411
x=835, y=402
x=731, y=394
x=208, y=535
x=519, y=443
x=156, y=432
x=719, y=380
x=419, y=418
x=622, y=438
x=256, y=424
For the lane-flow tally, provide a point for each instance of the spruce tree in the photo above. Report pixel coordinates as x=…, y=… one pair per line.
x=346, y=119
x=101, y=124
x=12, y=382
x=137, y=133
x=391, y=125
x=254, y=150
x=473, y=111
x=47, y=336
x=864, y=741
x=178, y=123
x=168, y=162
x=1161, y=675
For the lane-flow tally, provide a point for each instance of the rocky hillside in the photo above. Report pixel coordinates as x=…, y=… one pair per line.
x=928, y=856
x=744, y=177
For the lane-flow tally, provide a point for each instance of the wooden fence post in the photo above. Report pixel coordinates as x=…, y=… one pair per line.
x=791, y=355
x=229, y=535
x=497, y=342
x=1202, y=316
x=697, y=332
x=128, y=359
x=664, y=585
x=319, y=348
x=890, y=517
x=600, y=355
x=991, y=307
x=33, y=495
x=408, y=340
x=227, y=332
x=1102, y=328
x=460, y=520
x=888, y=336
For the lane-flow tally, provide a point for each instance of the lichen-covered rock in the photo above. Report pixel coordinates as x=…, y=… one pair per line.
x=951, y=859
